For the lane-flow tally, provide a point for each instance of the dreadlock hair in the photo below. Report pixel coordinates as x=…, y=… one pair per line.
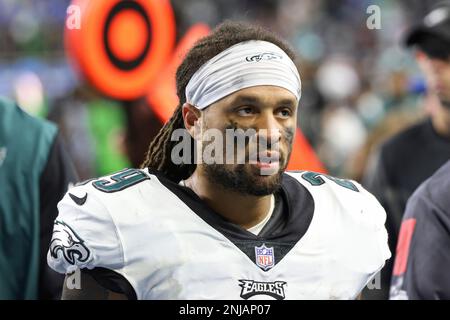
x=222, y=37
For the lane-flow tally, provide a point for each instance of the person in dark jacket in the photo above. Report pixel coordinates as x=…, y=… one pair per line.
x=35, y=173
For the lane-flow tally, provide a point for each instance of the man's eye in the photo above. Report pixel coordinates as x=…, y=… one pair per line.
x=285, y=113
x=247, y=111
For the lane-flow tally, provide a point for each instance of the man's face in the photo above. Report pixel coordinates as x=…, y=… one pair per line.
x=271, y=112
x=437, y=76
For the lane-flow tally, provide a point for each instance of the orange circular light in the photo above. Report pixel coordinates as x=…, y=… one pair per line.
x=162, y=95
x=111, y=50
x=127, y=35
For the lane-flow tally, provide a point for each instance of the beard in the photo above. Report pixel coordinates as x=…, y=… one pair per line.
x=244, y=178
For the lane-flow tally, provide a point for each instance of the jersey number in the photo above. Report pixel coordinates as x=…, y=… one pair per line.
x=315, y=179
x=121, y=180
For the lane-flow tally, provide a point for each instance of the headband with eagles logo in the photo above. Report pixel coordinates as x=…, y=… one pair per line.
x=246, y=64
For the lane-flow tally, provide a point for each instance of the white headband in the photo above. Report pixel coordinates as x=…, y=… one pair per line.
x=246, y=64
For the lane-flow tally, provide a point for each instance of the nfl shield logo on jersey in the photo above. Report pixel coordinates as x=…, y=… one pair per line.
x=265, y=258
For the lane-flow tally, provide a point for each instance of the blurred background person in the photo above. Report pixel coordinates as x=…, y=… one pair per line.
x=423, y=255
x=410, y=157
x=35, y=173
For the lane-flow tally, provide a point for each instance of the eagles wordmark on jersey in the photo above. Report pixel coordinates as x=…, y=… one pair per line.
x=325, y=240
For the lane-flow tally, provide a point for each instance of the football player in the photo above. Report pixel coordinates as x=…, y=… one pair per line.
x=202, y=230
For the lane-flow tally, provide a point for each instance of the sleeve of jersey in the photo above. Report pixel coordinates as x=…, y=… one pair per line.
x=84, y=234
x=375, y=246
x=361, y=237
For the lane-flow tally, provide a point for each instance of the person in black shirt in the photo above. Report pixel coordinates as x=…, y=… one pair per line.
x=409, y=158
x=423, y=254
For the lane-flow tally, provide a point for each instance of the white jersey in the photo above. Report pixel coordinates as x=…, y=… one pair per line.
x=167, y=244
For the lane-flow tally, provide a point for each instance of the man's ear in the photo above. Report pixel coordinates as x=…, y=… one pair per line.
x=191, y=118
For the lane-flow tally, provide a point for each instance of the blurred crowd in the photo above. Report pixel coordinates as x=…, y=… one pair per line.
x=359, y=84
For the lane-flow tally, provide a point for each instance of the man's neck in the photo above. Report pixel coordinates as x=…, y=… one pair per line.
x=241, y=209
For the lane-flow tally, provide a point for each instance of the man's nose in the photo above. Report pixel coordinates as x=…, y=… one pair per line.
x=269, y=129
